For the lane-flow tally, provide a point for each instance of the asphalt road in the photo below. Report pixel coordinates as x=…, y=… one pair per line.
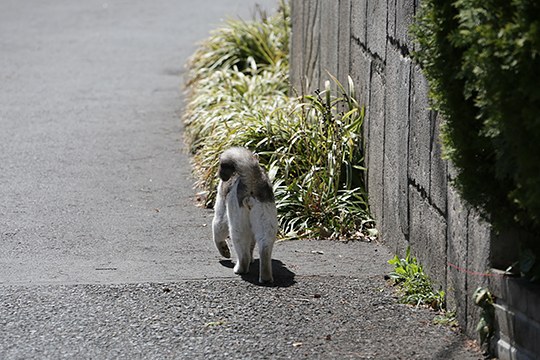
x=103, y=253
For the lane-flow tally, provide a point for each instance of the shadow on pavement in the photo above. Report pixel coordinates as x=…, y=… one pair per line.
x=283, y=277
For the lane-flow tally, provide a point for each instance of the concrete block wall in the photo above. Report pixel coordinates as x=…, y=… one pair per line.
x=409, y=185
x=517, y=314
x=408, y=182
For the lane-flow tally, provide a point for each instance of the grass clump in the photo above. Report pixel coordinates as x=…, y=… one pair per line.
x=310, y=145
x=415, y=287
x=246, y=46
x=318, y=164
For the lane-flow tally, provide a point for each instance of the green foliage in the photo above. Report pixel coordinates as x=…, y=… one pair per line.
x=311, y=146
x=415, y=286
x=446, y=318
x=316, y=154
x=482, y=60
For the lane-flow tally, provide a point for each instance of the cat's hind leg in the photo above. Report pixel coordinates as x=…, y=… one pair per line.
x=263, y=218
x=220, y=227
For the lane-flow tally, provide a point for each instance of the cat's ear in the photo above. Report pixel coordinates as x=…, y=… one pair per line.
x=256, y=156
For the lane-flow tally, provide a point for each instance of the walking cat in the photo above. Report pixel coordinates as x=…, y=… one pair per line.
x=245, y=210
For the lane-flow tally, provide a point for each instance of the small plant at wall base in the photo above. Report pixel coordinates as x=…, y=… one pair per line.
x=482, y=61
x=311, y=146
x=415, y=287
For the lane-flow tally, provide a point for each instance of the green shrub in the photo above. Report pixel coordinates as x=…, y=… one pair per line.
x=482, y=60
x=311, y=146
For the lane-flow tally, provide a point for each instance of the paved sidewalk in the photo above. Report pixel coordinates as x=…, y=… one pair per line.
x=103, y=253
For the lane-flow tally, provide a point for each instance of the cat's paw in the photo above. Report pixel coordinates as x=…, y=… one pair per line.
x=266, y=279
x=239, y=269
x=224, y=251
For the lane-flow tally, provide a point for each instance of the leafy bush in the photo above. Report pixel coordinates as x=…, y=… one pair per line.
x=311, y=146
x=482, y=60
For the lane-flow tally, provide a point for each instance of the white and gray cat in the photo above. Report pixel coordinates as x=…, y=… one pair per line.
x=245, y=210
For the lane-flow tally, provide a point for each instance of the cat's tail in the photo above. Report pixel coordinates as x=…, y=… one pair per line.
x=240, y=161
x=252, y=178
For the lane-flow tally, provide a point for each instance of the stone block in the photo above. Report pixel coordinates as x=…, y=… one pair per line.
x=506, y=351
x=532, y=294
x=397, y=75
x=394, y=232
x=329, y=37
x=420, y=132
x=517, y=333
x=452, y=170
x=526, y=333
x=376, y=27
x=516, y=296
x=524, y=297
x=439, y=168
x=359, y=20
x=361, y=74
x=297, y=47
x=504, y=321
x=428, y=237
x=498, y=286
x=404, y=19
x=391, y=21
x=312, y=48
x=375, y=149
x=478, y=254
x=344, y=41
x=478, y=249
x=457, y=219
x=517, y=313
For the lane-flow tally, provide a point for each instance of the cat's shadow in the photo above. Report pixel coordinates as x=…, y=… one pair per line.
x=283, y=277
